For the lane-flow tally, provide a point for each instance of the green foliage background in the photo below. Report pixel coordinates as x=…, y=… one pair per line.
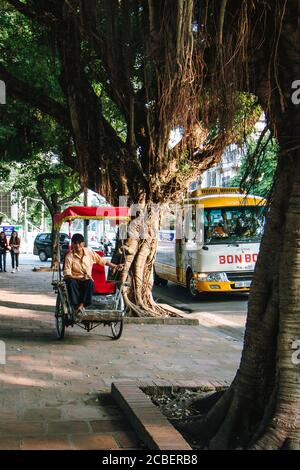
x=31, y=142
x=258, y=168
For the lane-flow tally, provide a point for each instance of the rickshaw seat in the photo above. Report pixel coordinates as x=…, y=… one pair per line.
x=101, y=285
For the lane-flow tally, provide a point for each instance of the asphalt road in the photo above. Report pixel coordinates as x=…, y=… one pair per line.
x=225, y=313
x=30, y=259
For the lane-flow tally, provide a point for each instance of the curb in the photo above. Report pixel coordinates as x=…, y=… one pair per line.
x=181, y=319
x=42, y=269
x=160, y=321
x=149, y=423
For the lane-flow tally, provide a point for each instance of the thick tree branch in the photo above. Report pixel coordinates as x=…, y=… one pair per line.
x=52, y=203
x=28, y=10
x=72, y=196
x=40, y=188
x=221, y=21
x=23, y=8
x=24, y=92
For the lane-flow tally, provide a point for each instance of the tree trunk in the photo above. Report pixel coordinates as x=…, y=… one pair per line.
x=55, y=246
x=261, y=409
x=139, y=251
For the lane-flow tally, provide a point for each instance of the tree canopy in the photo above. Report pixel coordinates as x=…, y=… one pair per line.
x=21, y=178
x=121, y=78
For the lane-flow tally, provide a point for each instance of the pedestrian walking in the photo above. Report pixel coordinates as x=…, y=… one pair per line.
x=3, y=250
x=14, y=243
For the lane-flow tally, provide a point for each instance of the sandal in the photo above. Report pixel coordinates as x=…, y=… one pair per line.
x=80, y=312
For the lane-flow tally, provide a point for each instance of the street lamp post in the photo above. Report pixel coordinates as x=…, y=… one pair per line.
x=85, y=222
x=43, y=218
x=42, y=226
x=26, y=225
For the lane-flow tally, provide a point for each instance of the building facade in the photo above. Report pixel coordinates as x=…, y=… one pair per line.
x=221, y=174
x=5, y=206
x=228, y=167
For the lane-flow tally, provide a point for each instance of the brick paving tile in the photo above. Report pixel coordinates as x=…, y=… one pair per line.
x=94, y=442
x=36, y=414
x=80, y=411
x=38, y=394
x=46, y=443
x=109, y=425
x=8, y=416
x=10, y=443
x=18, y=428
x=126, y=440
x=13, y=395
x=68, y=427
x=113, y=411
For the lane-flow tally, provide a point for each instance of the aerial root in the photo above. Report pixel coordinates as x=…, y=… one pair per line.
x=205, y=427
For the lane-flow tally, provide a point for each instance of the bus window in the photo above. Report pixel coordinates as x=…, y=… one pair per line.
x=167, y=226
x=233, y=225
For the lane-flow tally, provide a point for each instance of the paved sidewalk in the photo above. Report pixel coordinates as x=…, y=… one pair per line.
x=50, y=391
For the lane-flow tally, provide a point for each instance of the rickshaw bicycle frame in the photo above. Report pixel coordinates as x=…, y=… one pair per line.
x=108, y=309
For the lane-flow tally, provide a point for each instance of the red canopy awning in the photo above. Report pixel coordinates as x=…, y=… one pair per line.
x=117, y=214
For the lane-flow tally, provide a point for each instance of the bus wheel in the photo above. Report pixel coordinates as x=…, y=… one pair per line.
x=191, y=286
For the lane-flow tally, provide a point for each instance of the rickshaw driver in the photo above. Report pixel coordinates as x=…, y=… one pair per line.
x=78, y=272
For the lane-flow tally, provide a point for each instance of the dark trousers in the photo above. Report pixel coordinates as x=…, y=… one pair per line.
x=14, y=257
x=3, y=261
x=80, y=291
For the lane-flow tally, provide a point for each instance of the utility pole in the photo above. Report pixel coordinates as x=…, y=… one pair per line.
x=2, y=92
x=85, y=222
x=26, y=225
x=43, y=218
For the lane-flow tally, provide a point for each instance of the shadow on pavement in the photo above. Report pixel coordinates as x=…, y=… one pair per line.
x=21, y=306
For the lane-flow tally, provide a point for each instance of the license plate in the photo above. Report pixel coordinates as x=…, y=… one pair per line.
x=241, y=284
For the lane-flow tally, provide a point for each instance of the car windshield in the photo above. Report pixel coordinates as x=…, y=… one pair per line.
x=226, y=225
x=41, y=237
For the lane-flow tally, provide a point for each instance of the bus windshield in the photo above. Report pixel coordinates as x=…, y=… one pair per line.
x=240, y=224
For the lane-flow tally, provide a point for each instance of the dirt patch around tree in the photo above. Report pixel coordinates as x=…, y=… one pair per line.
x=183, y=405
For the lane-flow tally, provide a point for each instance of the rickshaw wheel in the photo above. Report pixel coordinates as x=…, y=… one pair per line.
x=60, y=319
x=116, y=329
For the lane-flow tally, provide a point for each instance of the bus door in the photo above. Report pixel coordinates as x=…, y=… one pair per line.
x=165, y=264
x=189, y=239
x=180, y=266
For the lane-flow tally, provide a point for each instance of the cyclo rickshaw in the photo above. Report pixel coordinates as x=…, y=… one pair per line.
x=108, y=307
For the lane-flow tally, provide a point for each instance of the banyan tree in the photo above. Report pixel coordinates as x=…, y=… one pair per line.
x=199, y=67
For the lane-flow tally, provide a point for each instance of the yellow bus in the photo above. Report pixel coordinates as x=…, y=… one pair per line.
x=212, y=245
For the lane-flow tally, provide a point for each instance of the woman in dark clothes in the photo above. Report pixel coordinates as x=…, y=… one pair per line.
x=3, y=250
x=14, y=244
